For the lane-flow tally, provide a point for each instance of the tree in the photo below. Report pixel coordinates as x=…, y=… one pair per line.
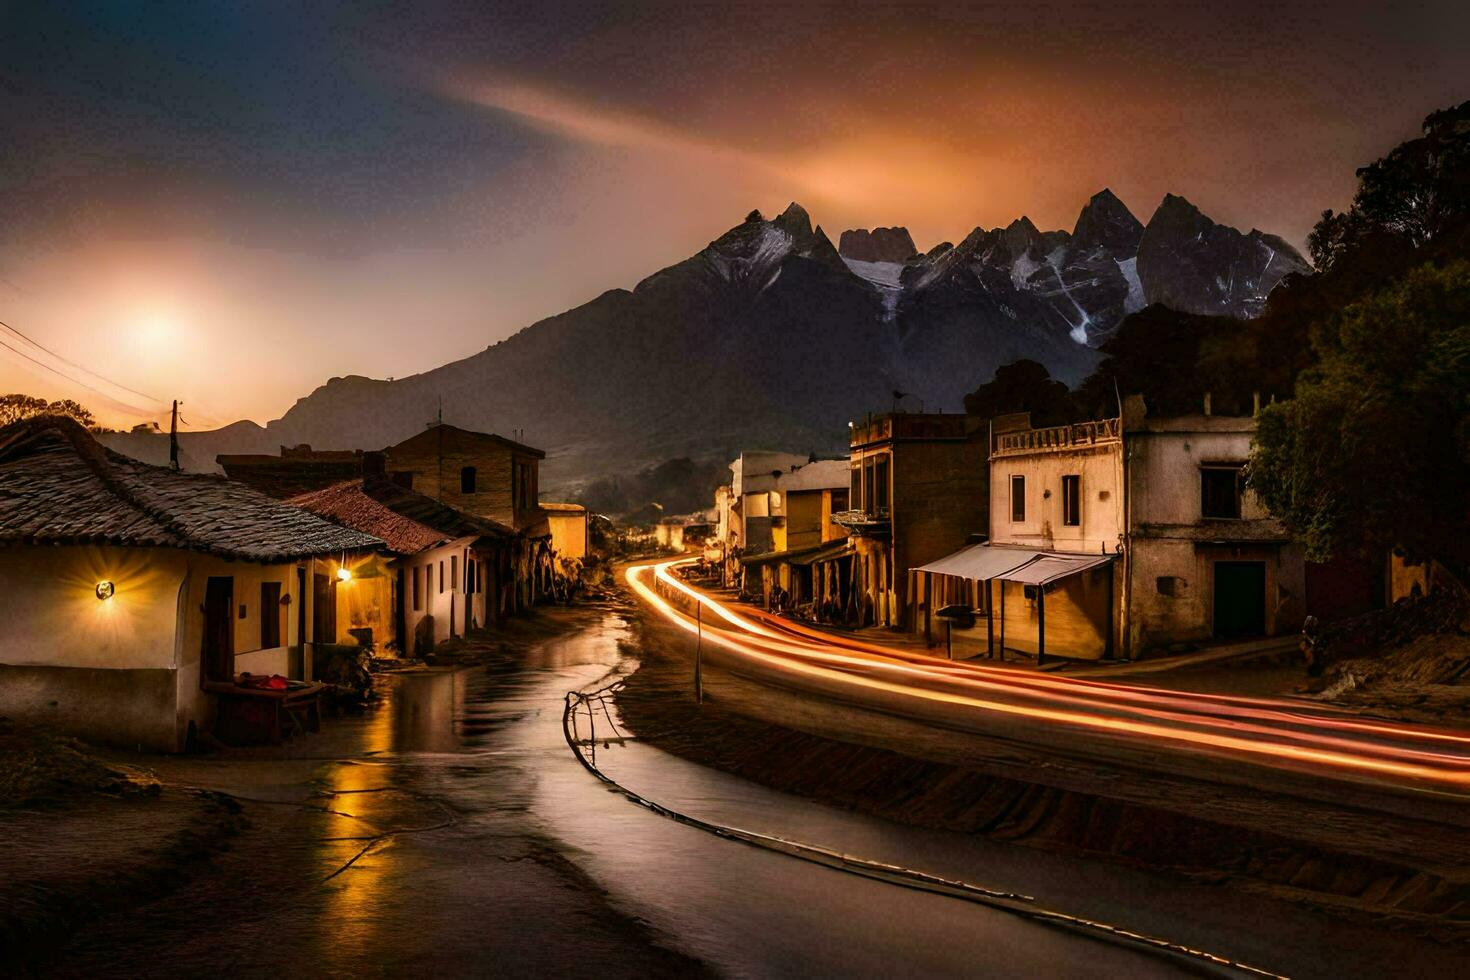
x=1373, y=452
x=14, y=408
x=1022, y=386
x=1416, y=193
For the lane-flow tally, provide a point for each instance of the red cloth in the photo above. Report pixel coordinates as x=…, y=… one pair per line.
x=275, y=682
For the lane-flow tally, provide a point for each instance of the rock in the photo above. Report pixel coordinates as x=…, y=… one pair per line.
x=1193, y=265
x=878, y=245
x=1105, y=222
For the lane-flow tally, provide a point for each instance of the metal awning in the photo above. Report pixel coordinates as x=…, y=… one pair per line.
x=827, y=552
x=1049, y=567
x=983, y=562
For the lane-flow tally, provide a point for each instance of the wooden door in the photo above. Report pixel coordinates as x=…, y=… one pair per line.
x=323, y=609
x=217, y=657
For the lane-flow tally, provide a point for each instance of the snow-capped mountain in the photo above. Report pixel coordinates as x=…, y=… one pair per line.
x=769, y=337
x=1085, y=281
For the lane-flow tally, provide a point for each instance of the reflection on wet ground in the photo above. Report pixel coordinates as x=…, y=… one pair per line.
x=451, y=830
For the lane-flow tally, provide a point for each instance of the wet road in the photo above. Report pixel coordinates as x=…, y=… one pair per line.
x=452, y=831
x=1173, y=730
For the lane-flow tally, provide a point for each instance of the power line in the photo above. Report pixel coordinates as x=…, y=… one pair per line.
x=85, y=370
x=62, y=374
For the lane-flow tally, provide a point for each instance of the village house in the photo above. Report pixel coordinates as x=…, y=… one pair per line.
x=749, y=515
x=918, y=489
x=807, y=548
x=297, y=470
x=479, y=473
x=448, y=572
x=568, y=525
x=1122, y=537
x=133, y=597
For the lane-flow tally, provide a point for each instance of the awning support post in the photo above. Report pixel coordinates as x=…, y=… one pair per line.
x=990, y=619
x=1040, y=625
x=1002, y=621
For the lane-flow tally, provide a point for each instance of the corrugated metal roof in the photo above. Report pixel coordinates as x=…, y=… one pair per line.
x=1049, y=568
x=983, y=562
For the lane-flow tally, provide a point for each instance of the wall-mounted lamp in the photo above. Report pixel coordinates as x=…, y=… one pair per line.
x=344, y=574
x=105, y=590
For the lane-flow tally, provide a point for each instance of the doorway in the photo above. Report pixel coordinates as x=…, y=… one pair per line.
x=218, y=653
x=1240, y=598
x=323, y=609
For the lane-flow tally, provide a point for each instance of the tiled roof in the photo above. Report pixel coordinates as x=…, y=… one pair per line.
x=407, y=520
x=59, y=486
x=284, y=477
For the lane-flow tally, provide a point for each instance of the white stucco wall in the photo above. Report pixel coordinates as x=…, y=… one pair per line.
x=52, y=616
x=436, y=601
x=1164, y=471
x=1102, y=503
x=127, y=669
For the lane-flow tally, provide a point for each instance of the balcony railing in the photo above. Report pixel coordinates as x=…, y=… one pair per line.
x=1059, y=438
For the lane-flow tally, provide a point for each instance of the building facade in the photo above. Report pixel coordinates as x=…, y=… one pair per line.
x=1124, y=537
x=128, y=591
x=918, y=489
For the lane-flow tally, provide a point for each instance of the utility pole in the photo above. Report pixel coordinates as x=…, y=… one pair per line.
x=173, y=437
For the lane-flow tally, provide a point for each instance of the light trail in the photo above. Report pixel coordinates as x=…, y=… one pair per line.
x=1195, y=702
x=1284, y=736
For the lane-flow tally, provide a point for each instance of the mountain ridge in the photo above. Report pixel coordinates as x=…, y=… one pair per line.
x=771, y=335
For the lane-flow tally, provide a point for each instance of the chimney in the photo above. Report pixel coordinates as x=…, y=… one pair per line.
x=374, y=466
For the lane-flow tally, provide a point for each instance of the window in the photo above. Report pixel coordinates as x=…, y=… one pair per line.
x=1167, y=585
x=467, y=480
x=469, y=576
x=441, y=576
x=1018, y=499
x=1072, y=500
x=404, y=478
x=270, y=615
x=1220, y=491
x=870, y=500
x=418, y=596
x=429, y=578
x=855, y=496
x=881, y=483
x=453, y=572
x=523, y=486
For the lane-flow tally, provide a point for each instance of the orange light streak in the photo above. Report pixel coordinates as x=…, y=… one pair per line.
x=819, y=659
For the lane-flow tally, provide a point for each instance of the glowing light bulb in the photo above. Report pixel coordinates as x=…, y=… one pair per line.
x=105, y=590
x=344, y=574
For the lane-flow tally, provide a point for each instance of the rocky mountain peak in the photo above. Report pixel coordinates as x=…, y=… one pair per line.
x=1106, y=221
x=1188, y=262
x=794, y=221
x=1019, y=236
x=879, y=245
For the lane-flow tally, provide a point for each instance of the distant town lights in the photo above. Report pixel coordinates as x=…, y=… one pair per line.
x=105, y=590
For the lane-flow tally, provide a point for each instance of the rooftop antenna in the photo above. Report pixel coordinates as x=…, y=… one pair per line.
x=173, y=437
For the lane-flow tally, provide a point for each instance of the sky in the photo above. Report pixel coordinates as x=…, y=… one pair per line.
x=231, y=203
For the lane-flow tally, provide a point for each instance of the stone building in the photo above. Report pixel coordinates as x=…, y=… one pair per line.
x=476, y=472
